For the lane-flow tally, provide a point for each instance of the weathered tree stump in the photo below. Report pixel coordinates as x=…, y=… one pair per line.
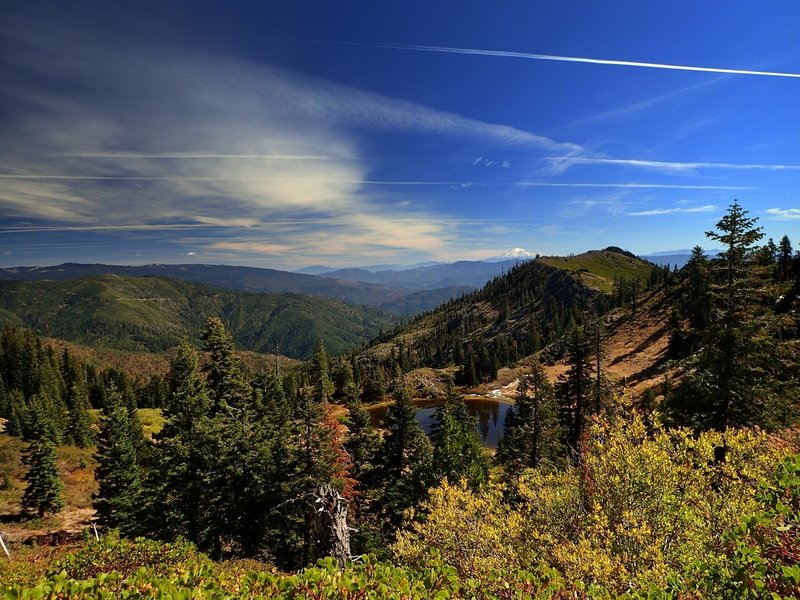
x=330, y=535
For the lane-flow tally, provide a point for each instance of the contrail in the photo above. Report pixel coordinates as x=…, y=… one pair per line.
x=197, y=155
x=578, y=59
x=402, y=183
x=676, y=166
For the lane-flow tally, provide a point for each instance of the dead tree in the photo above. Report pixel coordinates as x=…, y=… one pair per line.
x=330, y=535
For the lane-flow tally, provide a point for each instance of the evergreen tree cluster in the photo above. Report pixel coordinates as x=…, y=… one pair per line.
x=736, y=327
x=236, y=464
x=45, y=393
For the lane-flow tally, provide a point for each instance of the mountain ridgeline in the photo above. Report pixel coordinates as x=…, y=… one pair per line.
x=154, y=313
x=516, y=314
x=395, y=291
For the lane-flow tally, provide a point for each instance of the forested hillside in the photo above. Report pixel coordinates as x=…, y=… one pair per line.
x=154, y=314
x=516, y=314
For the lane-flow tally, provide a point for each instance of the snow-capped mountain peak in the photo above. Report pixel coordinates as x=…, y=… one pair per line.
x=513, y=254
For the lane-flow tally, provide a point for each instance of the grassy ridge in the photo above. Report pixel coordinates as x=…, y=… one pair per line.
x=152, y=314
x=599, y=269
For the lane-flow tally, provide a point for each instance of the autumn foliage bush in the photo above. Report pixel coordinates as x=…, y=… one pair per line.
x=637, y=509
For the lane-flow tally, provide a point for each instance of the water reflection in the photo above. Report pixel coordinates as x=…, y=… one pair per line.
x=490, y=413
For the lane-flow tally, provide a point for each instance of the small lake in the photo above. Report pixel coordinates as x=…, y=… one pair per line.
x=490, y=414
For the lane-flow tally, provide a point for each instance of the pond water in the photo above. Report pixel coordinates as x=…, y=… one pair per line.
x=490, y=414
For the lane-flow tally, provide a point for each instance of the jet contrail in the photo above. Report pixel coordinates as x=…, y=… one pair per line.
x=406, y=183
x=577, y=59
x=675, y=166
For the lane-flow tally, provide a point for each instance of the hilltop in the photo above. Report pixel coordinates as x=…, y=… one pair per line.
x=515, y=314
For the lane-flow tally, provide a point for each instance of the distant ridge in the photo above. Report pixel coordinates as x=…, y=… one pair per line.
x=153, y=314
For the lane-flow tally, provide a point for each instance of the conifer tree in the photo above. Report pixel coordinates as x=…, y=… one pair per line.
x=784, y=258
x=698, y=290
x=457, y=453
x=405, y=460
x=117, y=470
x=172, y=487
x=79, y=429
x=226, y=387
x=725, y=386
x=532, y=431
x=728, y=362
x=43, y=493
x=362, y=442
x=574, y=389
x=18, y=418
x=320, y=375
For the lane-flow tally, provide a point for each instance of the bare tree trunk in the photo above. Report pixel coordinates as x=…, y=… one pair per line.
x=330, y=535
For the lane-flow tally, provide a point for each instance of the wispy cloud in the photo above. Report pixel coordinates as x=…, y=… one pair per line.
x=628, y=185
x=579, y=59
x=671, y=211
x=200, y=142
x=672, y=166
x=784, y=214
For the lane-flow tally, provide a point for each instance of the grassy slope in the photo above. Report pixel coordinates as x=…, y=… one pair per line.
x=599, y=269
x=153, y=314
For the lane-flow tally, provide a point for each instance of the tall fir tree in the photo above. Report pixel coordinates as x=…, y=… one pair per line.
x=43, y=493
x=725, y=387
x=532, y=433
x=320, y=375
x=458, y=453
x=574, y=390
x=79, y=428
x=176, y=467
x=784, y=258
x=117, y=472
x=226, y=386
x=405, y=460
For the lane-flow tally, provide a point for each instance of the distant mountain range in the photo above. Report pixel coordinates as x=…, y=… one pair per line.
x=464, y=273
x=515, y=254
x=675, y=257
x=392, y=290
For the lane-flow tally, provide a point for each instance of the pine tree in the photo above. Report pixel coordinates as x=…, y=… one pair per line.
x=457, y=453
x=574, y=389
x=43, y=492
x=226, y=387
x=532, y=431
x=405, y=460
x=79, y=429
x=784, y=258
x=725, y=386
x=362, y=442
x=172, y=487
x=117, y=470
x=320, y=375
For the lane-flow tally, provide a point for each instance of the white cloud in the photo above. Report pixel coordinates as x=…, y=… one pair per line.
x=784, y=214
x=671, y=211
x=661, y=165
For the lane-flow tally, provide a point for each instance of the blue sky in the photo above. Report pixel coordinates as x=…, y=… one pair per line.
x=285, y=134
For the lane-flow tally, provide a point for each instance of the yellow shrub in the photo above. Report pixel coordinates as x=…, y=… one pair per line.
x=639, y=507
